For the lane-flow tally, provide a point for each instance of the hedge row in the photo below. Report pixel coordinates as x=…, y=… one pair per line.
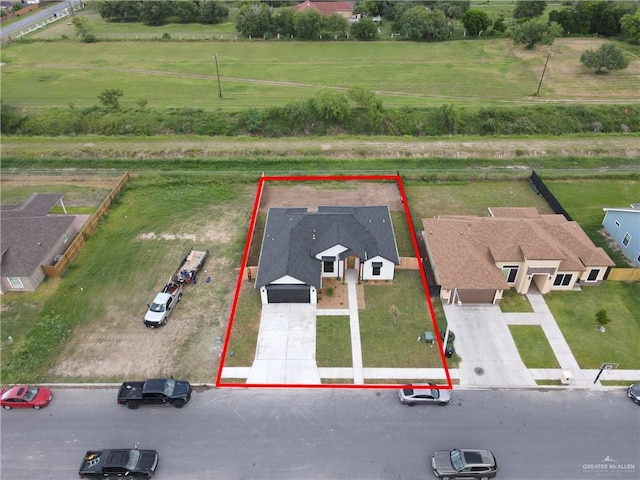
x=308, y=118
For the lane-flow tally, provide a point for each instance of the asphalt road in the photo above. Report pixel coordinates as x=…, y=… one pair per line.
x=36, y=16
x=330, y=434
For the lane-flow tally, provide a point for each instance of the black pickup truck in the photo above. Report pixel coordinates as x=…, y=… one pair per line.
x=127, y=462
x=155, y=391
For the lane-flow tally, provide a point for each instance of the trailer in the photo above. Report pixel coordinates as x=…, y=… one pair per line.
x=190, y=266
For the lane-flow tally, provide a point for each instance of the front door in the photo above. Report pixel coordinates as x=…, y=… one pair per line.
x=351, y=261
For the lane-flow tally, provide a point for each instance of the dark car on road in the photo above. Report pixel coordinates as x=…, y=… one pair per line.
x=424, y=393
x=464, y=463
x=155, y=391
x=116, y=463
x=633, y=392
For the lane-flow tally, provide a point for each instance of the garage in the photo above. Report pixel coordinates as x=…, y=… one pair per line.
x=287, y=293
x=476, y=295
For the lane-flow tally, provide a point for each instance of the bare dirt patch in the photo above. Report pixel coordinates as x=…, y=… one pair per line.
x=348, y=193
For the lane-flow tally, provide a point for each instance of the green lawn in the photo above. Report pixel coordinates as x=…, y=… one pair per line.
x=575, y=313
x=394, y=317
x=533, y=346
x=584, y=200
x=333, y=341
x=512, y=301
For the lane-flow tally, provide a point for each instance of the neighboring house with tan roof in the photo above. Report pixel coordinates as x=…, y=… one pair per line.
x=344, y=9
x=475, y=259
x=32, y=237
x=623, y=224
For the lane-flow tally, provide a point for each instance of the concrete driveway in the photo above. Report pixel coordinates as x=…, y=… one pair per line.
x=286, y=350
x=484, y=343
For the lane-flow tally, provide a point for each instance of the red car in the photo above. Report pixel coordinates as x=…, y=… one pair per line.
x=25, y=396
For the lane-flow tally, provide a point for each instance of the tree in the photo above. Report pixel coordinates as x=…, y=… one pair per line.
x=186, y=10
x=155, y=12
x=608, y=56
x=110, y=98
x=630, y=26
x=120, y=10
x=254, y=20
x=568, y=19
x=500, y=24
x=211, y=12
x=336, y=24
x=529, y=8
x=83, y=28
x=308, y=24
x=330, y=106
x=283, y=21
x=602, y=318
x=534, y=32
x=475, y=21
x=365, y=29
x=366, y=98
x=418, y=23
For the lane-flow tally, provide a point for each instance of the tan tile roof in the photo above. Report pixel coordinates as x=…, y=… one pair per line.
x=464, y=250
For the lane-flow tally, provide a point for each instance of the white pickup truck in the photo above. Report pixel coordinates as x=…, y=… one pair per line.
x=163, y=305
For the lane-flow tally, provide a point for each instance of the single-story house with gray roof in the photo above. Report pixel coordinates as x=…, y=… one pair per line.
x=475, y=259
x=31, y=237
x=301, y=247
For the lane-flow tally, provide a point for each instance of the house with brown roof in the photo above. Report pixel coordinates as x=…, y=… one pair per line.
x=475, y=259
x=327, y=8
x=31, y=236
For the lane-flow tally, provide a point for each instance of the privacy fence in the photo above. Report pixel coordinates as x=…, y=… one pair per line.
x=89, y=227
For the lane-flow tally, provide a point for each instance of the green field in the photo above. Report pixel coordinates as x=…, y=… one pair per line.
x=261, y=74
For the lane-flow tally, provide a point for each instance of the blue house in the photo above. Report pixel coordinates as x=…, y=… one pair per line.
x=623, y=224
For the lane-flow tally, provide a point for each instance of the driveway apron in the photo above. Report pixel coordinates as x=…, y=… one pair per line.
x=489, y=357
x=286, y=348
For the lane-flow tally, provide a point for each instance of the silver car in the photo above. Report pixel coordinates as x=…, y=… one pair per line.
x=421, y=393
x=464, y=463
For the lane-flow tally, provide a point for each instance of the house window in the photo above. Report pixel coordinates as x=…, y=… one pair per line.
x=563, y=279
x=510, y=272
x=593, y=275
x=15, y=282
x=617, y=224
x=626, y=239
x=328, y=264
x=377, y=266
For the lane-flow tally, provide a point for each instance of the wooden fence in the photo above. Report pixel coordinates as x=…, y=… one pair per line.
x=624, y=274
x=55, y=271
x=408, y=263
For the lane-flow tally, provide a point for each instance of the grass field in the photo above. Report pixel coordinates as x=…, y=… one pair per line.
x=261, y=74
x=584, y=200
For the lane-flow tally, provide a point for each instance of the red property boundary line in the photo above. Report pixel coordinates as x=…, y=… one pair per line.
x=254, y=215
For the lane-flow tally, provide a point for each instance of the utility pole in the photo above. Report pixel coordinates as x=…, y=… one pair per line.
x=218, y=75
x=543, y=70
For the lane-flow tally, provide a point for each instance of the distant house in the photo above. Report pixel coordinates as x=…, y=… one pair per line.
x=301, y=247
x=474, y=259
x=344, y=9
x=32, y=237
x=623, y=224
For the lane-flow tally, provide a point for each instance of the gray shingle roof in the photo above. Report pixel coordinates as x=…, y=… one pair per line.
x=293, y=236
x=28, y=234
